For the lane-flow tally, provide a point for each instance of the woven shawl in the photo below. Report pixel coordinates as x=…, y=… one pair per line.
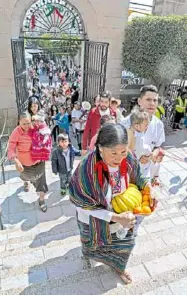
x=85, y=192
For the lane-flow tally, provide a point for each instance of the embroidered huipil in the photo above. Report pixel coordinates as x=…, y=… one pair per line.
x=117, y=188
x=41, y=143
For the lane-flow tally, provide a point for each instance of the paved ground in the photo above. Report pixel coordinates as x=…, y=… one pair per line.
x=40, y=253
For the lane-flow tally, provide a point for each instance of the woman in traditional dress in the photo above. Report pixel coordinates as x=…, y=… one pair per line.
x=101, y=175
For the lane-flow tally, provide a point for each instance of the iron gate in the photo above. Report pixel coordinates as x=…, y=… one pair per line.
x=95, y=62
x=94, y=75
x=18, y=56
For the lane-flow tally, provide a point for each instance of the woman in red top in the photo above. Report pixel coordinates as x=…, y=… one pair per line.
x=19, y=151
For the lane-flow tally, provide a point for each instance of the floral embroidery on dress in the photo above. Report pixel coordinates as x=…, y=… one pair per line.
x=116, y=182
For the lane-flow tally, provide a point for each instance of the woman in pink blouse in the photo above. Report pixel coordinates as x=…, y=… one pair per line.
x=19, y=151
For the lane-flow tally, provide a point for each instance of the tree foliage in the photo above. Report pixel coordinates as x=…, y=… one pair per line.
x=65, y=45
x=156, y=48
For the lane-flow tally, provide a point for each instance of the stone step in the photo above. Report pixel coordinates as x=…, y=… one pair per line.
x=61, y=257
x=98, y=280
x=14, y=235
x=46, y=258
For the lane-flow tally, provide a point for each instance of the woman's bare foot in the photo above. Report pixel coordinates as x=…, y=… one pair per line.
x=126, y=277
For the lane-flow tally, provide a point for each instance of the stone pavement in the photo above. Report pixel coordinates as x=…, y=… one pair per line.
x=40, y=252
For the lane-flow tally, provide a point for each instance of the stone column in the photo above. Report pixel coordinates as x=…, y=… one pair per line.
x=7, y=94
x=112, y=20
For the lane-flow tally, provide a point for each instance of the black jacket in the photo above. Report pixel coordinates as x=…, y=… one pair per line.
x=59, y=161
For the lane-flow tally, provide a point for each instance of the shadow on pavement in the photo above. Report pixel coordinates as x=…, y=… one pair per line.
x=175, y=189
x=67, y=275
x=60, y=232
x=16, y=210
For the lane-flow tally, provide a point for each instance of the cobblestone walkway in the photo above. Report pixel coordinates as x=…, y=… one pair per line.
x=40, y=253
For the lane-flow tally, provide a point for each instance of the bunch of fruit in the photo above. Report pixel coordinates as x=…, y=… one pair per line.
x=133, y=200
x=145, y=208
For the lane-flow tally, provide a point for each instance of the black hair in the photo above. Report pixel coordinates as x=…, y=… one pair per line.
x=95, y=98
x=77, y=102
x=105, y=94
x=63, y=106
x=32, y=101
x=111, y=135
x=74, y=87
x=52, y=111
x=104, y=119
x=146, y=88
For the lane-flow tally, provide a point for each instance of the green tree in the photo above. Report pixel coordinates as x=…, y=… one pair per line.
x=65, y=45
x=155, y=48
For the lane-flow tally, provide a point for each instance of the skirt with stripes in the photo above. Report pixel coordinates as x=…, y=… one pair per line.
x=116, y=254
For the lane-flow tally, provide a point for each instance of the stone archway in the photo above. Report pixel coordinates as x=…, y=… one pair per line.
x=54, y=17
x=83, y=6
x=103, y=22
x=50, y=19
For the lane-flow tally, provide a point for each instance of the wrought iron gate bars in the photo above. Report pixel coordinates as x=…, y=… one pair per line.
x=18, y=56
x=95, y=63
x=94, y=74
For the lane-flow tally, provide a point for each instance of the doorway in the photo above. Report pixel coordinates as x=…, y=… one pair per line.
x=53, y=39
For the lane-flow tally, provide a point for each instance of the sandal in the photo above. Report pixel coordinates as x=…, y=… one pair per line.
x=26, y=186
x=126, y=277
x=43, y=206
x=63, y=192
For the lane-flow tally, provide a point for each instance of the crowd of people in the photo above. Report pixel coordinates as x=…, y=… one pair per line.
x=52, y=73
x=116, y=151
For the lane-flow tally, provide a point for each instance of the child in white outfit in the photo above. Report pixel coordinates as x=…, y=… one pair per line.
x=139, y=121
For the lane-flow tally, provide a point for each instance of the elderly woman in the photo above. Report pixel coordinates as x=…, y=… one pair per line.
x=101, y=175
x=19, y=151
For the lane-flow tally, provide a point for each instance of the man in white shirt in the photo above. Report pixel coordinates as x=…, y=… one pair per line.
x=78, y=121
x=154, y=137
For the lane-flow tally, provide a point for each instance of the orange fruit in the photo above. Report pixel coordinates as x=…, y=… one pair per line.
x=146, y=210
x=146, y=197
x=145, y=203
x=137, y=210
x=146, y=190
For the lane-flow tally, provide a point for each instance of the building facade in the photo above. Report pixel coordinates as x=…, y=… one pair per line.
x=168, y=7
x=103, y=22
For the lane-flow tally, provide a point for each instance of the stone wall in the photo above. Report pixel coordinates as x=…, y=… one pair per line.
x=7, y=93
x=103, y=22
x=168, y=7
